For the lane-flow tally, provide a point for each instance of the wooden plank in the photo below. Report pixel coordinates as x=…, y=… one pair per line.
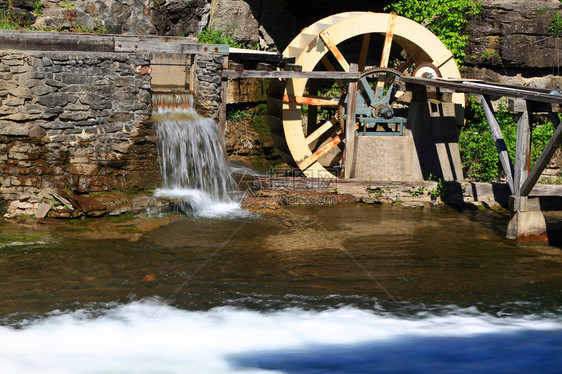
x=325, y=36
x=486, y=89
x=230, y=74
x=498, y=139
x=311, y=100
x=319, y=132
x=265, y=67
x=350, y=126
x=543, y=159
x=235, y=66
x=292, y=67
x=522, y=151
x=364, y=51
x=304, y=164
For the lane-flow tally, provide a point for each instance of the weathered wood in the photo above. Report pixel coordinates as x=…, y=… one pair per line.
x=522, y=151
x=325, y=36
x=388, y=41
x=292, y=67
x=319, y=153
x=76, y=42
x=498, y=140
x=350, y=126
x=488, y=89
x=543, y=159
x=311, y=100
x=265, y=67
x=290, y=74
x=235, y=66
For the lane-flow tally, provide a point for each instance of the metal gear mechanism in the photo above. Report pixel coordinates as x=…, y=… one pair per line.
x=426, y=70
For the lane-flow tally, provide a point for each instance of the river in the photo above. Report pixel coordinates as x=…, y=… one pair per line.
x=344, y=289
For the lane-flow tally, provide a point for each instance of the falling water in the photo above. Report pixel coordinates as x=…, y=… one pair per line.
x=192, y=156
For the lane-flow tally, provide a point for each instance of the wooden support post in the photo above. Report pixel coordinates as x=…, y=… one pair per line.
x=544, y=158
x=498, y=140
x=349, y=161
x=523, y=150
x=527, y=221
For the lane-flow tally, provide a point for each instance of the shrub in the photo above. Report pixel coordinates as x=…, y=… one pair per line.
x=445, y=18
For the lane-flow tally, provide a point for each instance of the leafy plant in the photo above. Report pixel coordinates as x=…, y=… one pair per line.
x=555, y=27
x=68, y=4
x=418, y=191
x=480, y=159
x=211, y=36
x=439, y=190
x=445, y=18
x=38, y=7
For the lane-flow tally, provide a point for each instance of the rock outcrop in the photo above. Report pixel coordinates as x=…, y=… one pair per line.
x=515, y=38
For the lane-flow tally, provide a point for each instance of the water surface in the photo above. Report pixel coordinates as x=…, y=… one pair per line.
x=346, y=289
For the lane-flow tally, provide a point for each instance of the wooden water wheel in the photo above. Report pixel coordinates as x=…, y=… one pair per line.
x=308, y=128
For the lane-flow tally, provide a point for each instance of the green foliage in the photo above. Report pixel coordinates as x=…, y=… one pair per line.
x=8, y=23
x=38, y=7
x=445, y=18
x=439, y=190
x=418, y=191
x=556, y=24
x=478, y=152
x=68, y=4
x=211, y=36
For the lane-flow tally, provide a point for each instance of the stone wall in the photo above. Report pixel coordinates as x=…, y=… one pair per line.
x=208, y=88
x=75, y=120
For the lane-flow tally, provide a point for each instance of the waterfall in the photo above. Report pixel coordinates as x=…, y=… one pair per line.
x=192, y=157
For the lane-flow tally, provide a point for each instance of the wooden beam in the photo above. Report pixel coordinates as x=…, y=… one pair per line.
x=522, y=150
x=350, y=126
x=388, y=40
x=364, y=51
x=311, y=100
x=319, y=132
x=337, y=75
x=325, y=36
x=482, y=88
x=387, y=47
x=543, y=159
x=498, y=139
x=304, y=164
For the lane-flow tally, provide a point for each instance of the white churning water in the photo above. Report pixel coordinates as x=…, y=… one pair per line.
x=148, y=337
x=192, y=156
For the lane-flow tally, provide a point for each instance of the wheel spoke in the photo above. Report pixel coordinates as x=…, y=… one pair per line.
x=388, y=41
x=311, y=100
x=387, y=46
x=319, y=153
x=325, y=36
x=320, y=131
x=364, y=51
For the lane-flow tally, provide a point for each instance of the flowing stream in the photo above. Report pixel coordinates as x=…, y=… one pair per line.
x=345, y=289
x=193, y=162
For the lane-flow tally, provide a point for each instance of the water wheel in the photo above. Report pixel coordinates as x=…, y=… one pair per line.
x=306, y=117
